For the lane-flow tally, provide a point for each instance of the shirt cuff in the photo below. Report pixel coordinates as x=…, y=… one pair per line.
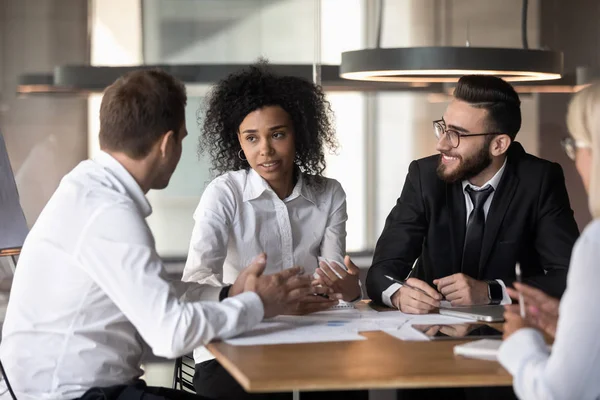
x=387, y=294
x=505, y=297
x=253, y=308
x=523, y=345
x=200, y=292
x=211, y=293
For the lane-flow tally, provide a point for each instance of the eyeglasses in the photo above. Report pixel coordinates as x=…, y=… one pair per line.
x=571, y=145
x=452, y=136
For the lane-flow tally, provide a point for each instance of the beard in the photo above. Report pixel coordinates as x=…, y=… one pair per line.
x=467, y=168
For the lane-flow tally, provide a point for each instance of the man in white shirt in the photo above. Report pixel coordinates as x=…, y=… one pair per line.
x=89, y=291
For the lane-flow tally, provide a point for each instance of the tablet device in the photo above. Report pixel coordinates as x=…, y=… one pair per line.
x=458, y=331
x=478, y=313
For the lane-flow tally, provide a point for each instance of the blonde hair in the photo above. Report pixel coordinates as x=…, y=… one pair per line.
x=583, y=121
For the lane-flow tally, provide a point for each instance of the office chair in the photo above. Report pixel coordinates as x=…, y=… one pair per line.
x=183, y=374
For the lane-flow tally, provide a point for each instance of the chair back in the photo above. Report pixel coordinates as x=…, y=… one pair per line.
x=183, y=374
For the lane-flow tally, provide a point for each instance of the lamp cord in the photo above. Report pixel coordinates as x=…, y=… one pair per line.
x=379, y=24
x=12, y=394
x=524, y=25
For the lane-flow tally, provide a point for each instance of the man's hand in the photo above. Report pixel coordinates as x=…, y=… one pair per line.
x=458, y=330
x=420, y=300
x=279, y=292
x=347, y=285
x=542, y=310
x=462, y=290
x=240, y=285
x=322, y=299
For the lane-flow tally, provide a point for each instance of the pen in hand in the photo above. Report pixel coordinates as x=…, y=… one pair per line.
x=521, y=300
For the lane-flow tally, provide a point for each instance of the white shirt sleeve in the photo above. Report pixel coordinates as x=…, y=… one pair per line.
x=387, y=294
x=117, y=250
x=505, y=297
x=333, y=244
x=570, y=371
x=210, y=236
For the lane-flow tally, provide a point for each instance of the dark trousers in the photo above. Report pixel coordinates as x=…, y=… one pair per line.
x=137, y=391
x=480, y=393
x=213, y=382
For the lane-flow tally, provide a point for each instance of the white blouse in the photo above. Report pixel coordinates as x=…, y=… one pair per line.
x=570, y=370
x=240, y=216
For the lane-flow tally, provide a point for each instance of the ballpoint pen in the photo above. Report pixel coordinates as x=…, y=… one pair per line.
x=521, y=300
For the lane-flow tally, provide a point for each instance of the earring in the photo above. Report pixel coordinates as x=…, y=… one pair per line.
x=240, y=155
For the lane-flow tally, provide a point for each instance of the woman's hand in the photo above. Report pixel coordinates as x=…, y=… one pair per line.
x=513, y=322
x=542, y=310
x=340, y=280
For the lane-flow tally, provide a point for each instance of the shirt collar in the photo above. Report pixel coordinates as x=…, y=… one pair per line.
x=256, y=186
x=124, y=177
x=492, y=182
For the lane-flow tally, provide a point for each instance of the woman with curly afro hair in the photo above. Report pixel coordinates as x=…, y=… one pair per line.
x=266, y=135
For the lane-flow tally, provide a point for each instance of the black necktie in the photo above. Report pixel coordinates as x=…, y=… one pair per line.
x=475, y=228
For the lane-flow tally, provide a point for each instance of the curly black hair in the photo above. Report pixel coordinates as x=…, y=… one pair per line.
x=253, y=88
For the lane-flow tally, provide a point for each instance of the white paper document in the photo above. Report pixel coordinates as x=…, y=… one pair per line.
x=278, y=332
x=327, y=326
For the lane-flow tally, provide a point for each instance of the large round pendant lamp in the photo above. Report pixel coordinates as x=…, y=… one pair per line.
x=448, y=64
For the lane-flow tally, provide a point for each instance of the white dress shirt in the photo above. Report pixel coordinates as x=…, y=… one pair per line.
x=493, y=182
x=89, y=292
x=570, y=371
x=240, y=216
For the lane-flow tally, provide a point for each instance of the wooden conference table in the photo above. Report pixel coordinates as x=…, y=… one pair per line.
x=380, y=362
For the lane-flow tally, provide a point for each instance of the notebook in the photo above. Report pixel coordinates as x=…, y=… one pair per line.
x=484, y=349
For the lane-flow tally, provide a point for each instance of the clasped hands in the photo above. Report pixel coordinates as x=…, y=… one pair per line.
x=290, y=292
x=417, y=297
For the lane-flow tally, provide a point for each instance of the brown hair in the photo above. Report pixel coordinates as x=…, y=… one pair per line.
x=138, y=108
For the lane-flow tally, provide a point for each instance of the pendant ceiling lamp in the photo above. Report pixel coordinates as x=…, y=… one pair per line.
x=448, y=64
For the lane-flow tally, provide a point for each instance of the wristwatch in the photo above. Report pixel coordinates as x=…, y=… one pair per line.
x=224, y=293
x=494, y=292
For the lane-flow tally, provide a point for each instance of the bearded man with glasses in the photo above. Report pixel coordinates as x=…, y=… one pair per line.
x=467, y=215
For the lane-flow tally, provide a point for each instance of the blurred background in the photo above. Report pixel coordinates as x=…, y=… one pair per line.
x=49, y=112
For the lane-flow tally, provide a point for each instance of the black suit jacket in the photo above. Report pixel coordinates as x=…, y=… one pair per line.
x=529, y=221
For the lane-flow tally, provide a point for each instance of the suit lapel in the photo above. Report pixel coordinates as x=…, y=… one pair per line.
x=458, y=217
x=500, y=203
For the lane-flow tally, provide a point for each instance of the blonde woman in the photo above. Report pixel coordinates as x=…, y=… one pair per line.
x=570, y=370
